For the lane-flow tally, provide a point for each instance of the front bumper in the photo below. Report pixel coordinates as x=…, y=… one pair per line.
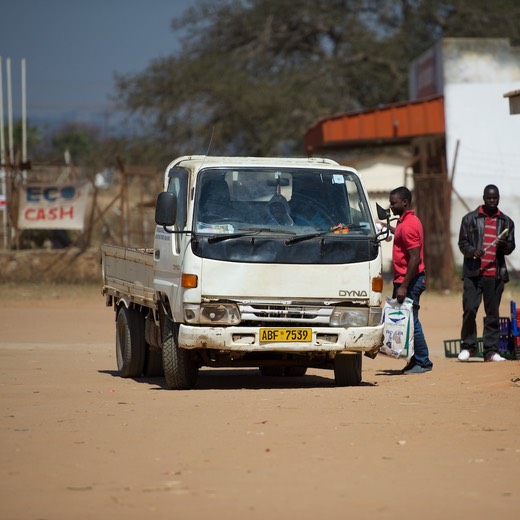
x=246, y=339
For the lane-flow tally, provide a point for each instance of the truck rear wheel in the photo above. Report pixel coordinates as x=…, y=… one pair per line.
x=347, y=369
x=180, y=370
x=130, y=342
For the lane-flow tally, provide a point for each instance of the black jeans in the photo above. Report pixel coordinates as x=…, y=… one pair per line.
x=491, y=289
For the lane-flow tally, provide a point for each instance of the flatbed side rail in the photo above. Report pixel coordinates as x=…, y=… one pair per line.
x=128, y=273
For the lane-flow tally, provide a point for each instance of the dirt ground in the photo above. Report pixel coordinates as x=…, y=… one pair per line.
x=79, y=442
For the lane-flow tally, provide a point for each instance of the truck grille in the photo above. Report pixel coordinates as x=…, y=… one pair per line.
x=285, y=313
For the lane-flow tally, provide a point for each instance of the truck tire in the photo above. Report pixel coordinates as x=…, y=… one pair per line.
x=153, y=363
x=347, y=369
x=180, y=370
x=130, y=342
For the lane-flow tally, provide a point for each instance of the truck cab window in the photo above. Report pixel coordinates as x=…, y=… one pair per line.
x=301, y=200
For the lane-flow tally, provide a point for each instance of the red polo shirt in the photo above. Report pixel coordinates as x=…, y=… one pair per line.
x=408, y=235
x=488, y=262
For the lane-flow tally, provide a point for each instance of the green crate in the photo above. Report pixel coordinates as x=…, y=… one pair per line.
x=452, y=349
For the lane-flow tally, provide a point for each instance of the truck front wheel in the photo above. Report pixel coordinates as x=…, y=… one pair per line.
x=130, y=342
x=347, y=369
x=180, y=370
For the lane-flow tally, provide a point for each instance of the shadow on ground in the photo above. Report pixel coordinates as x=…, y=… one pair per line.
x=235, y=379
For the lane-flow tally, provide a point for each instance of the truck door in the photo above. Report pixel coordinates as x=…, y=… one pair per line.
x=167, y=245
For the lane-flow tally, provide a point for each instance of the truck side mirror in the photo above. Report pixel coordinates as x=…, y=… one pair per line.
x=382, y=213
x=166, y=209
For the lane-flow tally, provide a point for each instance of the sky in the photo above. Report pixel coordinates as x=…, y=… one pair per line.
x=73, y=48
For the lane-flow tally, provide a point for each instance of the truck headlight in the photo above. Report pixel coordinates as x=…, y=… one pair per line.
x=213, y=313
x=348, y=317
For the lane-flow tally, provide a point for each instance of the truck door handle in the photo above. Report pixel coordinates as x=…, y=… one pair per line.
x=157, y=254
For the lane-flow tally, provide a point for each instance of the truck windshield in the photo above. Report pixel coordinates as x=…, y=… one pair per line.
x=301, y=201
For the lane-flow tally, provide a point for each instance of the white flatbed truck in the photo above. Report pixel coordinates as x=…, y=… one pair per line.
x=272, y=263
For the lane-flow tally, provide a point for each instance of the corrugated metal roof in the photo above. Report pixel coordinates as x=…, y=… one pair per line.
x=388, y=124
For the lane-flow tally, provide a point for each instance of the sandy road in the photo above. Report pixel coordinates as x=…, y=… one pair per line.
x=76, y=441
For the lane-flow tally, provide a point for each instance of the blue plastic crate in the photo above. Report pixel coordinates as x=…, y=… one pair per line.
x=505, y=326
x=505, y=342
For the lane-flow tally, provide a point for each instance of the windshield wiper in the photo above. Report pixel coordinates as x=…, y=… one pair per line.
x=302, y=238
x=248, y=232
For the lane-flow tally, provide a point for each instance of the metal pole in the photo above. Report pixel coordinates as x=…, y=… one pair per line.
x=10, y=113
x=2, y=138
x=10, y=130
x=24, y=119
x=3, y=172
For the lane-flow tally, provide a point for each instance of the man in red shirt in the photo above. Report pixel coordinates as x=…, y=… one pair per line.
x=409, y=275
x=486, y=236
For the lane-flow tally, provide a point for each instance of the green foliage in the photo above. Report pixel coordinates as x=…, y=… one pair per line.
x=88, y=149
x=81, y=140
x=143, y=150
x=253, y=75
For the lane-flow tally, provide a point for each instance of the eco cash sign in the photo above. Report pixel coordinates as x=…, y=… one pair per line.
x=50, y=203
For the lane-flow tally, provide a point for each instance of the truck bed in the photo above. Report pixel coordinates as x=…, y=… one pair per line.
x=128, y=273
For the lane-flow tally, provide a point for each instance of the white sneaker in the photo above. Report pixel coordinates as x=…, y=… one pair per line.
x=464, y=355
x=496, y=357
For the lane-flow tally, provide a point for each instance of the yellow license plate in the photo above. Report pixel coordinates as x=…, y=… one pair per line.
x=285, y=335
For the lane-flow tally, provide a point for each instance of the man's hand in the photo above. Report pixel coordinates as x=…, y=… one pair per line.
x=401, y=293
x=478, y=253
x=501, y=243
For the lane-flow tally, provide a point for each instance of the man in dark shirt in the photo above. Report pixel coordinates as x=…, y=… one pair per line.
x=486, y=236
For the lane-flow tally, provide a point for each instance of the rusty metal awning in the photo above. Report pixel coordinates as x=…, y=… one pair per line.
x=388, y=124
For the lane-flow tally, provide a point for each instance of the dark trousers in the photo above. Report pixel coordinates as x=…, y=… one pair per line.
x=477, y=288
x=420, y=347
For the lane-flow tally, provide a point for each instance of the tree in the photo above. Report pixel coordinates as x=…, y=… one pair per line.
x=81, y=140
x=253, y=75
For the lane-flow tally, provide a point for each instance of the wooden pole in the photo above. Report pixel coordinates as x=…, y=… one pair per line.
x=452, y=176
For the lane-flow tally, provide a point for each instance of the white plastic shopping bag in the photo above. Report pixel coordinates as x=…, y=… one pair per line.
x=397, y=328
